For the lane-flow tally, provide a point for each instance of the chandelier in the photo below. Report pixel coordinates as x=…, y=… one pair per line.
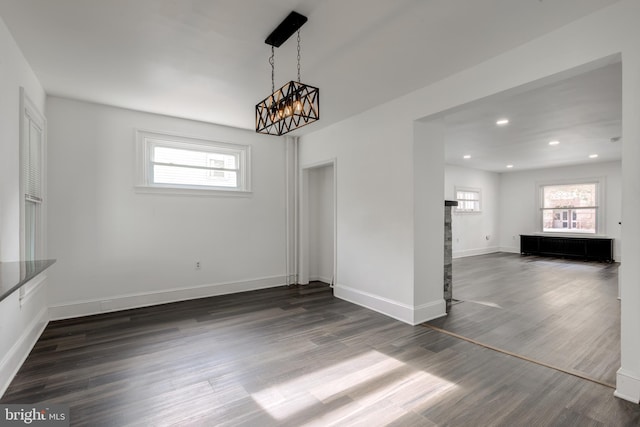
x=295, y=104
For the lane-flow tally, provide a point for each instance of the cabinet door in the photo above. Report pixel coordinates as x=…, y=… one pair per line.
x=601, y=249
x=529, y=244
x=552, y=245
x=574, y=247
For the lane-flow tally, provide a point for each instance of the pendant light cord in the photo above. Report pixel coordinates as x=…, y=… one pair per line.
x=273, y=69
x=299, y=56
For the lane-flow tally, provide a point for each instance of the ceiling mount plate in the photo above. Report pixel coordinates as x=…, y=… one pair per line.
x=290, y=25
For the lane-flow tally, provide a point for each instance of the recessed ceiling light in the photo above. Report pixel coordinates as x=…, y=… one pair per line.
x=509, y=166
x=502, y=122
x=466, y=156
x=554, y=142
x=593, y=156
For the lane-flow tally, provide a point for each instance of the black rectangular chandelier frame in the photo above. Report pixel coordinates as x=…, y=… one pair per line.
x=295, y=104
x=292, y=106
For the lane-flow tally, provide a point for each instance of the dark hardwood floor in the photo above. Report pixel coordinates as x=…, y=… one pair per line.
x=293, y=357
x=561, y=312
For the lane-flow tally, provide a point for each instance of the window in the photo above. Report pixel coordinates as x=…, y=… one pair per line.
x=176, y=164
x=468, y=200
x=32, y=145
x=570, y=207
x=32, y=190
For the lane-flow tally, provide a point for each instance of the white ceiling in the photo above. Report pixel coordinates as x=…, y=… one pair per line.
x=206, y=59
x=582, y=112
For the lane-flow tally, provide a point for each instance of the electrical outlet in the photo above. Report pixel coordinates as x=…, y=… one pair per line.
x=197, y=265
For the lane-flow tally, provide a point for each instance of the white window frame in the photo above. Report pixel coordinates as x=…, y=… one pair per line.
x=458, y=209
x=599, y=208
x=30, y=116
x=147, y=140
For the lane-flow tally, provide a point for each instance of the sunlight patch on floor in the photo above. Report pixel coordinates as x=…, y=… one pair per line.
x=345, y=388
x=487, y=303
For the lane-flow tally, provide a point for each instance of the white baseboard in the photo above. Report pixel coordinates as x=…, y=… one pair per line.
x=125, y=302
x=509, y=249
x=432, y=310
x=15, y=357
x=394, y=309
x=474, y=252
x=627, y=386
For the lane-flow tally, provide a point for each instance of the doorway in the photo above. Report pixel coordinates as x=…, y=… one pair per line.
x=318, y=224
x=562, y=130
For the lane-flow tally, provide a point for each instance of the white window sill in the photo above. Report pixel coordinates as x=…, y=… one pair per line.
x=565, y=234
x=466, y=212
x=142, y=189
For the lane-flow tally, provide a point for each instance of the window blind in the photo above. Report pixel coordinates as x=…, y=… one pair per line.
x=33, y=163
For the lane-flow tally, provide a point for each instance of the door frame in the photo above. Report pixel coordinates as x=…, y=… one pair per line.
x=304, y=258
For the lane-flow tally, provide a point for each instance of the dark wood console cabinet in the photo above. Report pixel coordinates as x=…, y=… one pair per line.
x=599, y=249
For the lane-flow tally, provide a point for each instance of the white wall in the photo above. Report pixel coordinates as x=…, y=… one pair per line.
x=474, y=233
x=428, y=221
x=519, y=214
x=19, y=326
x=118, y=249
x=376, y=229
x=374, y=208
x=321, y=229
